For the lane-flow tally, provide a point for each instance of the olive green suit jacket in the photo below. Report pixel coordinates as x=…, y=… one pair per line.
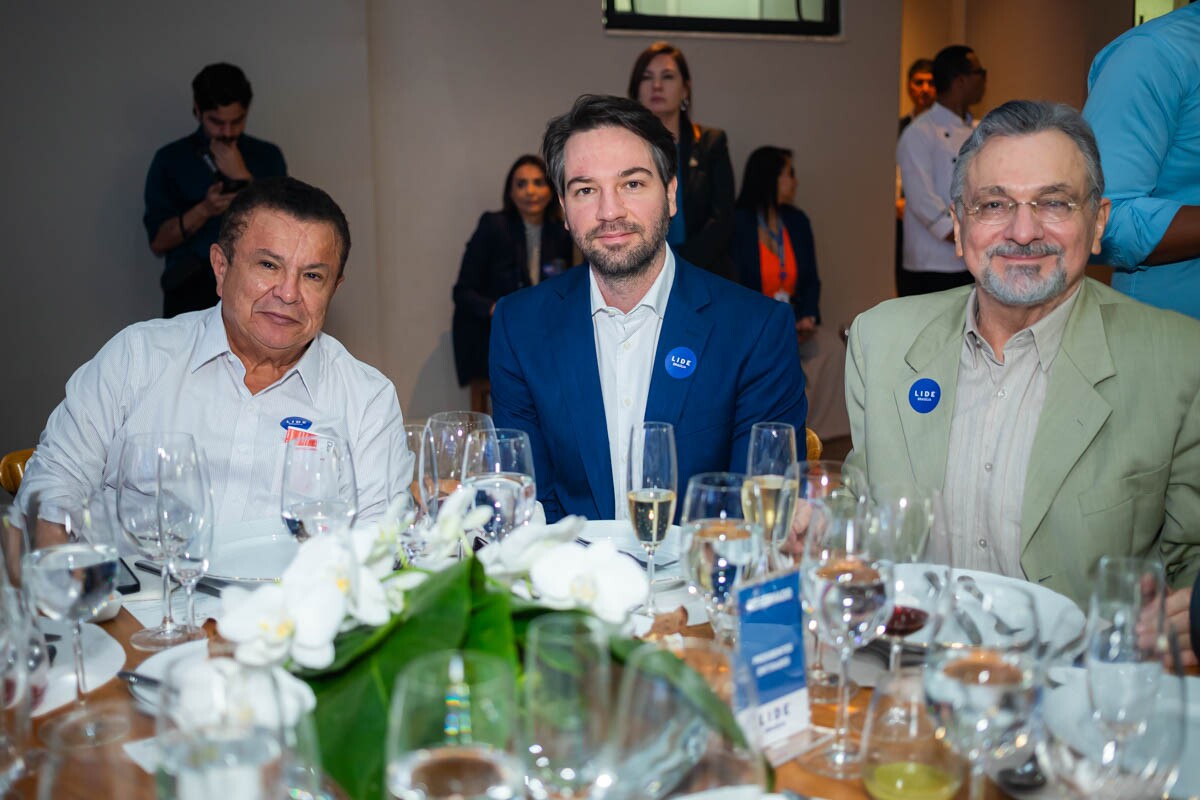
x=1115, y=465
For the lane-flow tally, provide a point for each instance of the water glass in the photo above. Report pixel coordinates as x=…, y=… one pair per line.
x=451, y=729
x=567, y=700
x=498, y=468
x=448, y=431
x=723, y=547
x=651, y=480
x=99, y=770
x=902, y=755
x=320, y=494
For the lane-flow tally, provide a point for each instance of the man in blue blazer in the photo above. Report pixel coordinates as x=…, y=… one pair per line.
x=640, y=334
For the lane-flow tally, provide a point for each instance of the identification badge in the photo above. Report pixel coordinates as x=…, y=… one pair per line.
x=680, y=362
x=924, y=395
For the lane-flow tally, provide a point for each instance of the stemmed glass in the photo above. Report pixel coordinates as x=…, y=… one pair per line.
x=19, y=700
x=847, y=588
x=669, y=739
x=320, y=494
x=722, y=545
x=771, y=452
x=498, y=468
x=567, y=698
x=907, y=517
x=448, y=431
x=903, y=757
x=452, y=722
x=99, y=770
x=417, y=478
x=190, y=523
x=982, y=672
x=651, y=479
x=72, y=582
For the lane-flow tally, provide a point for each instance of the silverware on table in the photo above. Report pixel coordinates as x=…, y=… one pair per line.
x=206, y=585
x=1002, y=627
x=960, y=616
x=138, y=679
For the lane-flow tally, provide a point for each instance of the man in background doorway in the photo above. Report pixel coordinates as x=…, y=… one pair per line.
x=193, y=180
x=926, y=154
x=922, y=94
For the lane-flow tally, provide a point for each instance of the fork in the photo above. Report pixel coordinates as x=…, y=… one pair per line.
x=1002, y=627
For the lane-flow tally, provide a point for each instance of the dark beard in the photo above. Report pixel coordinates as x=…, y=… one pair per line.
x=632, y=262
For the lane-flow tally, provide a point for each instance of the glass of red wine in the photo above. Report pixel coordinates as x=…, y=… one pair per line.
x=908, y=519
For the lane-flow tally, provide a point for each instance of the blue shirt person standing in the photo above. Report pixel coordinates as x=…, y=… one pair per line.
x=1144, y=105
x=194, y=179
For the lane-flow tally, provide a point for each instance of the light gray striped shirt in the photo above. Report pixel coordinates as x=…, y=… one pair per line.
x=996, y=410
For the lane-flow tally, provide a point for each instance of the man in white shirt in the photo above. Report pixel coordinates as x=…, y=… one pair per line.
x=241, y=377
x=640, y=335
x=926, y=154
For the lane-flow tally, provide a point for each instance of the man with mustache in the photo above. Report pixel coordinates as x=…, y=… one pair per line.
x=242, y=378
x=1060, y=419
x=193, y=180
x=641, y=335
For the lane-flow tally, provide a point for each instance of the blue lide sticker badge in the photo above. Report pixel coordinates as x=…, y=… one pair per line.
x=924, y=395
x=681, y=362
x=295, y=422
x=771, y=648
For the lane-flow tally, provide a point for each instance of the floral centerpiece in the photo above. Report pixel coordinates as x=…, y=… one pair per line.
x=346, y=622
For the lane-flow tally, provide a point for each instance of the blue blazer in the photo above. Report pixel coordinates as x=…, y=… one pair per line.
x=546, y=381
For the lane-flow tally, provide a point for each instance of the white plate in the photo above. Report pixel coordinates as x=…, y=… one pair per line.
x=256, y=559
x=156, y=667
x=620, y=533
x=1059, y=619
x=103, y=656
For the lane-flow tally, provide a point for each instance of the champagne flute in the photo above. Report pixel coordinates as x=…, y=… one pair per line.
x=771, y=452
x=983, y=680
x=651, y=480
x=902, y=755
x=498, y=469
x=72, y=582
x=448, y=431
x=722, y=546
x=140, y=514
x=847, y=588
x=450, y=729
x=320, y=494
x=567, y=698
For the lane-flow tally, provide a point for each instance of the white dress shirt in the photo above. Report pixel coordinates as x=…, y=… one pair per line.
x=926, y=153
x=625, y=348
x=180, y=375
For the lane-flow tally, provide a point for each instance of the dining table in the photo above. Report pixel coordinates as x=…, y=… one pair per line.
x=789, y=776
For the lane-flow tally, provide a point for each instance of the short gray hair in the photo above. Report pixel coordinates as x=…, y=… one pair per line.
x=1024, y=118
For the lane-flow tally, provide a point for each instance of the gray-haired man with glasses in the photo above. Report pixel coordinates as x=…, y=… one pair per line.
x=1060, y=419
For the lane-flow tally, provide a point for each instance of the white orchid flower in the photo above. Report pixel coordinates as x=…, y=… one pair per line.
x=247, y=695
x=274, y=622
x=512, y=557
x=456, y=520
x=599, y=578
x=398, y=584
x=329, y=561
x=377, y=544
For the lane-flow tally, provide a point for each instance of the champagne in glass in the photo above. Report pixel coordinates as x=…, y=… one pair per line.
x=772, y=450
x=652, y=475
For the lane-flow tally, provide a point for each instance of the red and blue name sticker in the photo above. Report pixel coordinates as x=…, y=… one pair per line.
x=680, y=362
x=294, y=428
x=924, y=395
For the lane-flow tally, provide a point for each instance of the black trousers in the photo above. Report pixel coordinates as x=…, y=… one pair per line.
x=909, y=283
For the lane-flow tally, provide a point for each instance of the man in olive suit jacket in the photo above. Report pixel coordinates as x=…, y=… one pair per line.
x=1059, y=418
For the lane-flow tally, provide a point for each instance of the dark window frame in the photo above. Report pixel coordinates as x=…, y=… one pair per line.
x=634, y=22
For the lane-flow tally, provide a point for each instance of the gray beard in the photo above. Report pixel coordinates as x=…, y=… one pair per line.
x=629, y=264
x=1026, y=290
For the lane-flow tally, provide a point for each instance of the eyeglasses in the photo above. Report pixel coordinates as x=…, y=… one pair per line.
x=1000, y=212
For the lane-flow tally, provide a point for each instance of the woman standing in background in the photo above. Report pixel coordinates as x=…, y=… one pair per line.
x=703, y=222
x=518, y=246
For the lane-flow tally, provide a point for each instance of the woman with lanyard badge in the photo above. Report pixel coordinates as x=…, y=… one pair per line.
x=774, y=253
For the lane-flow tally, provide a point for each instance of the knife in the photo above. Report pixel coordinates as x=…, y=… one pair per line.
x=960, y=616
x=138, y=679
x=205, y=585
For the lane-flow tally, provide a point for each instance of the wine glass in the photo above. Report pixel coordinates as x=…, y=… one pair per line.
x=982, y=672
x=416, y=477
x=566, y=704
x=140, y=515
x=675, y=733
x=847, y=588
x=19, y=688
x=71, y=582
x=220, y=730
x=448, y=431
x=450, y=727
x=100, y=770
x=188, y=522
x=320, y=494
x=722, y=545
x=902, y=755
x=772, y=450
x=907, y=517
x=651, y=480
x=498, y=468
